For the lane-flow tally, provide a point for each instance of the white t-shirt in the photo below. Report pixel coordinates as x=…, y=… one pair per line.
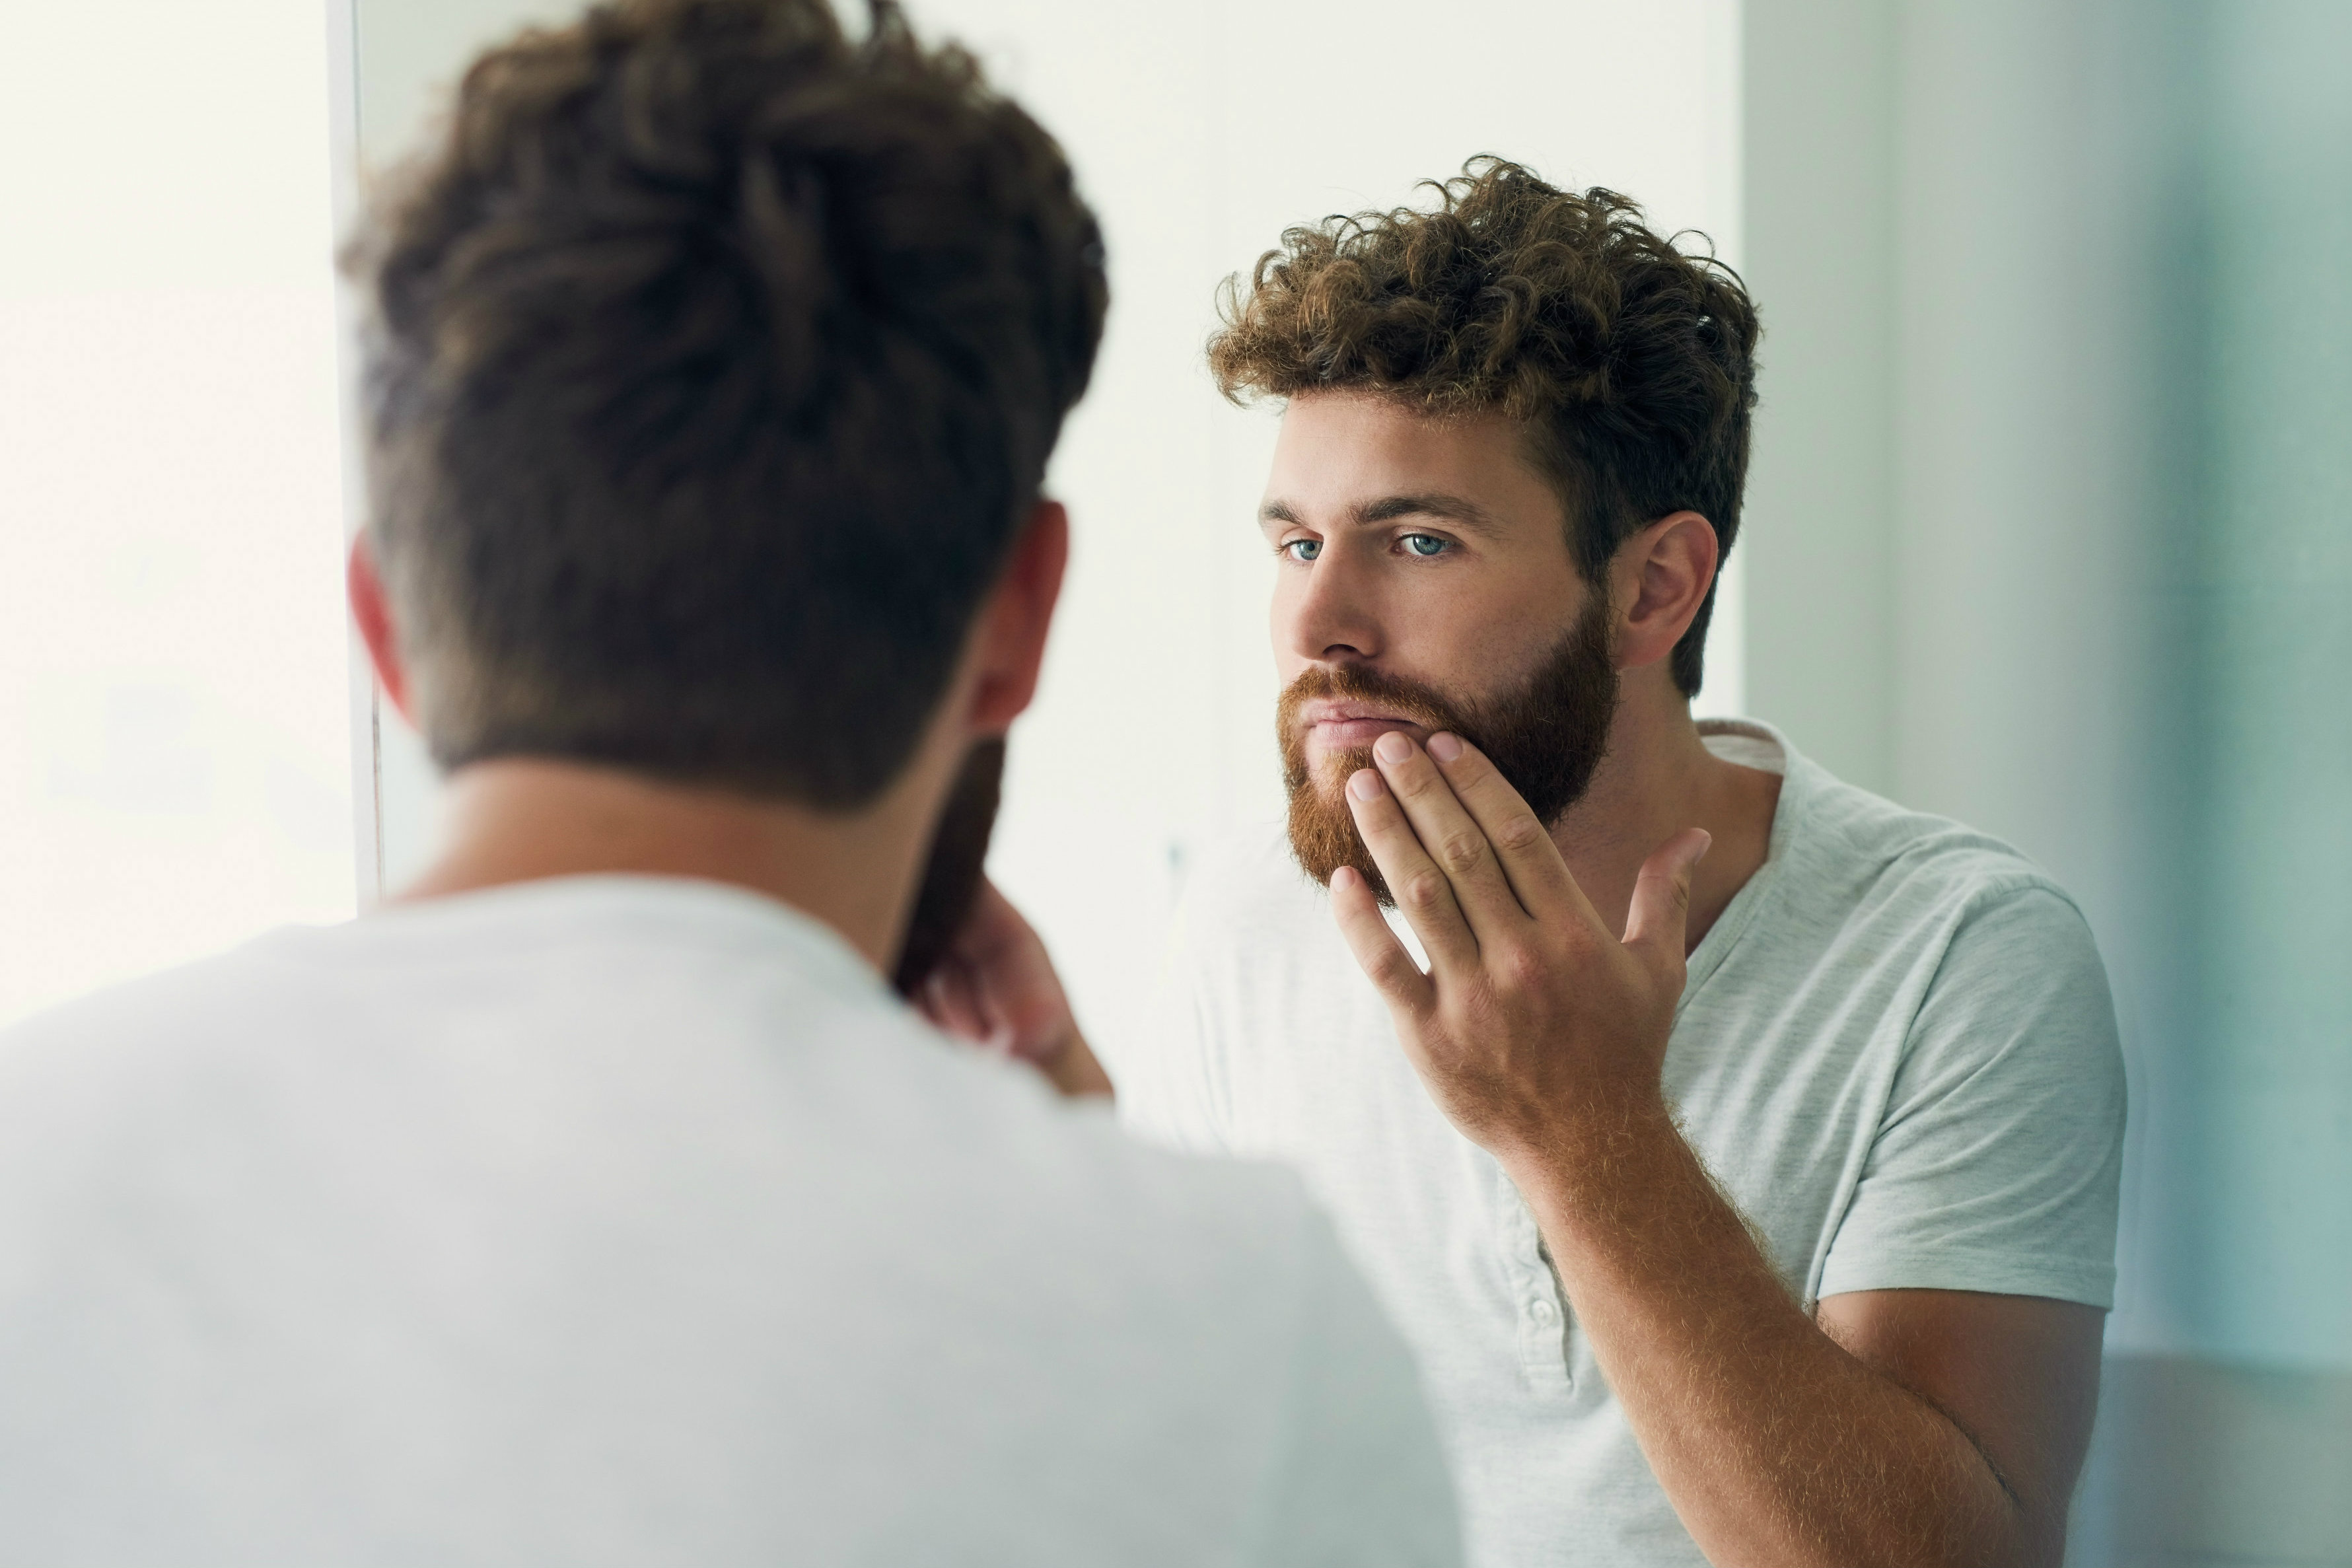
x=633, y=1221
x=1896, y=1051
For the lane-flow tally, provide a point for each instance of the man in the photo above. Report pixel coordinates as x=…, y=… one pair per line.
x=598, y=1203
x=1738, y=1149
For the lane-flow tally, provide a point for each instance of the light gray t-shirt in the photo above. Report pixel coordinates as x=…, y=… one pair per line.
x=631, y=1221
x=1895, y=1051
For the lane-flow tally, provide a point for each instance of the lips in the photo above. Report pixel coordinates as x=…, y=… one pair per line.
x=1345, y=726
x=1332, y=710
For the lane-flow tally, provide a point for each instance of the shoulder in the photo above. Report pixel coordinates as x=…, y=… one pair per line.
x=1944, y=927
x=269, y=1099
x=1997, y=958
x=141, y=1034
x=1886, y=863
x=1236, y=1225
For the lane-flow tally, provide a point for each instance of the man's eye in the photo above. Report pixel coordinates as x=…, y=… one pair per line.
x=1425, y=544
x=1303, y=549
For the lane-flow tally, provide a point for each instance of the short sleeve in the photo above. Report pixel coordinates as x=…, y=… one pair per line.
x=1359, y=1478
x=1997, y=1161
x=1164, y=1080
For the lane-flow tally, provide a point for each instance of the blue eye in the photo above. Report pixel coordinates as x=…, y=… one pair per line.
x=1303, y=549
x=1425, y=544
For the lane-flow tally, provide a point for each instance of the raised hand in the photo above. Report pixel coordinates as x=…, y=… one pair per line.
x=996, y=989
x=1534, y=1019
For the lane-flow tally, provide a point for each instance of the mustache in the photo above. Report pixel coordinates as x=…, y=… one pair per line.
x=1546, y=733
x=1323, y=834
x=1408, y=700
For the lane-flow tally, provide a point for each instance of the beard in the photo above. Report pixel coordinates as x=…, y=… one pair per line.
x=1547, y=736
x=957, y=860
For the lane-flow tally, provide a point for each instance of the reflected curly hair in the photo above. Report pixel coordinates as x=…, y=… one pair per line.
x=1631, y=364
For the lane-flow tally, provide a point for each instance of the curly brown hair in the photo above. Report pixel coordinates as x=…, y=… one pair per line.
x=1630, y=363
x=714, y=359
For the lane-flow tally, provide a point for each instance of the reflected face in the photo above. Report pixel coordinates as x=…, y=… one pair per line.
x=1426, y=583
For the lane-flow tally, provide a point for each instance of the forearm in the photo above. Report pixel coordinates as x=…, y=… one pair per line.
x=1774, y=1444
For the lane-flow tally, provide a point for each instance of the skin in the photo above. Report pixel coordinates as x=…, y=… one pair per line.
x=1886, y=1427
x=520, y=820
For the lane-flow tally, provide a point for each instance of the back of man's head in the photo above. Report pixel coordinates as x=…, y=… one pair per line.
x=714, y=362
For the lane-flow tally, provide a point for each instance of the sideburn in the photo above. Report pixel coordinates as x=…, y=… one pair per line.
x=1547, y=737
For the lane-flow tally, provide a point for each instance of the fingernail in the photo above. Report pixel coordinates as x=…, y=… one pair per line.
x=1392, y=747
x=1444, y=747
x=1365, y=785
x=1345, y=876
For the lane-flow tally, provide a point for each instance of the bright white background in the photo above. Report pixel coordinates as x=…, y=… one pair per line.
x=174, y=702
x=1198, y=133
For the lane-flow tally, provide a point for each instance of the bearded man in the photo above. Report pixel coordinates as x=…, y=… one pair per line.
x=1738, y=1149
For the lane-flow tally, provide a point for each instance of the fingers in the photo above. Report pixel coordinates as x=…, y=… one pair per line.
x=1421, y=888
x=1657, y=923
x=1453, y=837
x=1078, y=1073
x=950, y=999
x=1522, y=843
x=991, y=927
x=1384, y=960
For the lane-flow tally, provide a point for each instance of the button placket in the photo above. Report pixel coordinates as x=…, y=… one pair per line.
x=1542, y=1314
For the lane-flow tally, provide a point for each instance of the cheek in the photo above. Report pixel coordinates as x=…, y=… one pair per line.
x=1520, y=615
x=1488, y=645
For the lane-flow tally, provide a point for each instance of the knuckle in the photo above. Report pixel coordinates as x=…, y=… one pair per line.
x=1423, y=888
x=1523, y=968
x=1460, y=851
x=1520, y=831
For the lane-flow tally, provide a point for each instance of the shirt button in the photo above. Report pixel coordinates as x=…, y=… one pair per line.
x=1541, y=1310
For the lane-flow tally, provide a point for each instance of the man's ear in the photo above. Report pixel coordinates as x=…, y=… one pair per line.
x=372, y=610
x=1661, y=576
x=1009, y=647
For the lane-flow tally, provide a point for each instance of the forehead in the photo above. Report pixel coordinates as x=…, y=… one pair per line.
x=1341, y=450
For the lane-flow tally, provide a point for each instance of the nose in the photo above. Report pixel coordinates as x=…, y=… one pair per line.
x=1324, y=615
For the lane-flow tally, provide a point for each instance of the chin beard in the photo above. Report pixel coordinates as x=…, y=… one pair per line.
x=1547, y=736
x=952, y=873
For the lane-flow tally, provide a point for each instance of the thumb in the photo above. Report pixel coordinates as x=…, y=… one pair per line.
x=1656, y=923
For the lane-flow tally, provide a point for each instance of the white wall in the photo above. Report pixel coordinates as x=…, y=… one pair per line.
x=173, y=699
x=1199, y=132
x=1819, y=155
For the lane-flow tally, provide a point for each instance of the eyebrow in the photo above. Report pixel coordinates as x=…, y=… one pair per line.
x=1388, y=508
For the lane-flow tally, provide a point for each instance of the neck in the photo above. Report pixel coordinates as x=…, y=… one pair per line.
x=520, y=820
x=1658, y=779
